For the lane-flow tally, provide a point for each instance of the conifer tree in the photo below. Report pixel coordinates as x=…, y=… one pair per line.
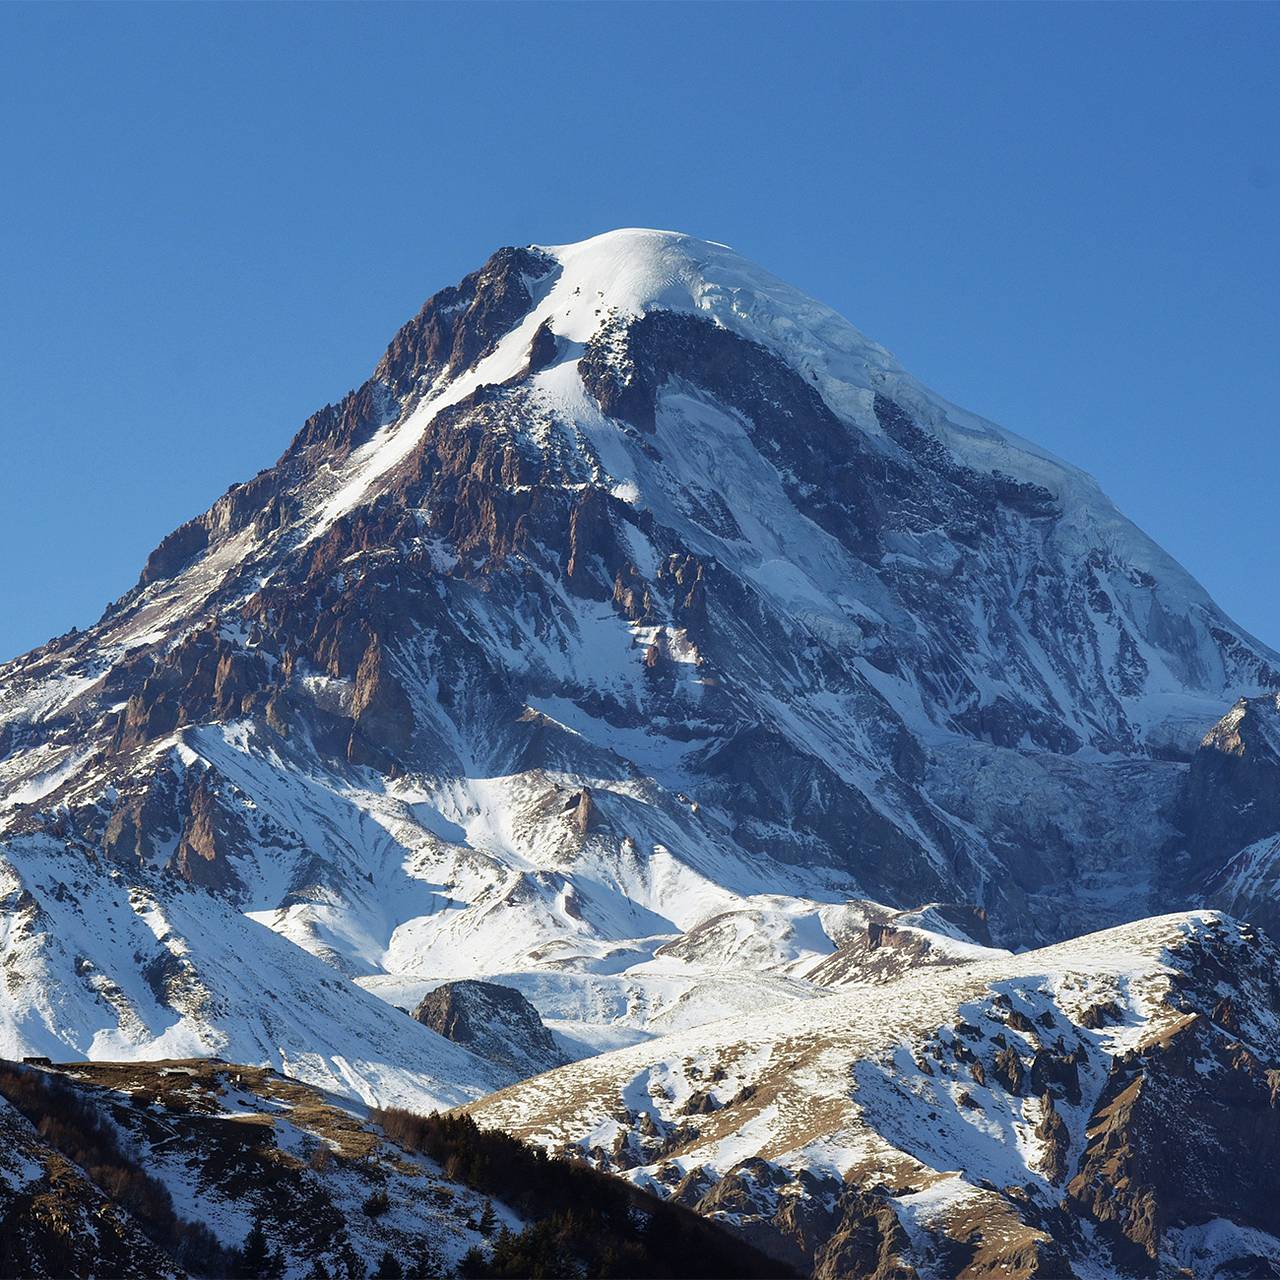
x=389, y=1268
x=256, y=1260
x=423, y=1263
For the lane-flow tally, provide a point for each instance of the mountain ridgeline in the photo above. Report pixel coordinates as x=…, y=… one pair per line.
x=642, y=641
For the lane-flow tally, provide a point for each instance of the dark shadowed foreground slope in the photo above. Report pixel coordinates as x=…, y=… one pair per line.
x=168, y=1168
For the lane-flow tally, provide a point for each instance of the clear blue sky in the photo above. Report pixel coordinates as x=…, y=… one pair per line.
x=212, y=219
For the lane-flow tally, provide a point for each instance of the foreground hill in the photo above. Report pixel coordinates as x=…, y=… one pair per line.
x=1107, y=1106
x=204, y=1168
x=628, y=632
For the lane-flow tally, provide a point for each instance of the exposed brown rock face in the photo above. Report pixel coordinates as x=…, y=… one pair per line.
x=786, y=1216
x=580, y=809
x=175, y=551
x=542, y=350
x=212, y=834
x=203, y=677
x=869, y=1241
x=346, y=425
x=593, y=547
x=261, y=503
x=141, y=823
x=455, y=328
x=1008, y=1070
x=459, y=326
x=1052, y=1131
x=1100, y=1014
x=1056, y=1069
x=986, y=1237
x=192, y=821
x=381, y=710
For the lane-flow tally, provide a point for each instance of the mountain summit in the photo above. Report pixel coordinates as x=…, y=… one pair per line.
x=640, y=635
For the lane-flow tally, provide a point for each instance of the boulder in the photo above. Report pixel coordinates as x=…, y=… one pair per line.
x=493, y=1021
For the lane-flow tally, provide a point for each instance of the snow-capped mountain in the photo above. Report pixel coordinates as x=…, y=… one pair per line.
x=627, y=637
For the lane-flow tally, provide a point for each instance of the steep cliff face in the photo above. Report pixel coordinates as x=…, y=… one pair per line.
x=633, y=591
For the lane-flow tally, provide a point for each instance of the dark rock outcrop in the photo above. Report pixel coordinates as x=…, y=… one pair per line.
x=1232, y=794
x=868, y=1242
x=1229, y=801
x=1052, y=1131
x=1149, y=1163
x=493, y=1021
